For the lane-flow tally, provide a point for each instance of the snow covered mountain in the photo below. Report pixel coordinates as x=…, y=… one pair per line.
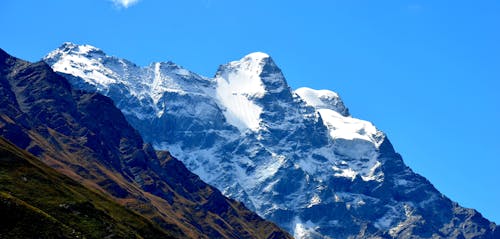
x=85, y=137
x=295, y=157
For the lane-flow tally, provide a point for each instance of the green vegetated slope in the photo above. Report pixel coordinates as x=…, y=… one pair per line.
x=38, y=202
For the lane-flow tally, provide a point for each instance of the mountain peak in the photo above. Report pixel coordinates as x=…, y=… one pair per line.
x=254, y=67
x=84, y=61
x=257, y=56
x=252, y=63
x=73, y=51
x=72, y=48
x=242, y=83
x=323, y=99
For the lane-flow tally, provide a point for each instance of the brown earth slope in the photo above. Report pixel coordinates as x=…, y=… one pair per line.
x=38, y=202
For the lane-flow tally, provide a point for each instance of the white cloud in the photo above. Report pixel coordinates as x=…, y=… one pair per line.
x=124, y=3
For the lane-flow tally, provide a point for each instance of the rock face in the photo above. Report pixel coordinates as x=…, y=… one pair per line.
x=295, y=157
x=84, y=136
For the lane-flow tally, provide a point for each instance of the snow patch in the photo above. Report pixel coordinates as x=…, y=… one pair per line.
x=322, y=99
x=346, y=173
x=347, y=127
x=266, y=171
x=315, y=200
x=387, y=220
x=316, y=98
x=304, y=230
x=90, y=69
x=256, y=56
x=238, y=83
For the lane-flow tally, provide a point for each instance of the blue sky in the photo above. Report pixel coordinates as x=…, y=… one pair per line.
x=425, y=72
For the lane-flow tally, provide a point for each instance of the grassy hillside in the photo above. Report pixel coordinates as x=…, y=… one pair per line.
x=38, y=202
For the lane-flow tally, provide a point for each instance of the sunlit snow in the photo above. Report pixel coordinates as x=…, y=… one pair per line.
x=237, y=85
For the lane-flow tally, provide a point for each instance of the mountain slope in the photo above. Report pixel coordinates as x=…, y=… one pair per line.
x=84, y=136
x=295, y=157
x=36, y=201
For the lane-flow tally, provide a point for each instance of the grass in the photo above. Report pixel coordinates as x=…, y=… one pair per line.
x=38, y=202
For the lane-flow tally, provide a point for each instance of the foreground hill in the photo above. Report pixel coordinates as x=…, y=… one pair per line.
x=38, y=202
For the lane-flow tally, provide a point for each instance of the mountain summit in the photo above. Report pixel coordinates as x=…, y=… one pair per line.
x=239, y=84
x=297, y=157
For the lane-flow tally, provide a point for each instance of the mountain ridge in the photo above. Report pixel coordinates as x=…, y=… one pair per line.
x=83, y=135
x=296, y=157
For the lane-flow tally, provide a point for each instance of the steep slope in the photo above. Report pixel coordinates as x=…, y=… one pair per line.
x=36, y=201
x=84, y=136
x=296, y=157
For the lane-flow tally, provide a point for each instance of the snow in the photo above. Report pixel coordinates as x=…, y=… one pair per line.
x=328, y=104
x=315, y=200
x=237, y=85
x=265, y=171
x=347, y=127
x=315, y=98
x=388, y=219
x=352, y=168
x=402, y=182
x=89, y=69
x=354, y=139
x=322, y=99
x=86, y=49
x=346, y=173
x=156, y=86
x=239, y=110
x=304, y=230
x=197, y=160
x=256, y=56
x=144, y=84
x=383, y=222
x=408, y=219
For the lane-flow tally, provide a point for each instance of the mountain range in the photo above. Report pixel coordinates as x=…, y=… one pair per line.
x=295, y=157
x=119, y=186
x=94, y=146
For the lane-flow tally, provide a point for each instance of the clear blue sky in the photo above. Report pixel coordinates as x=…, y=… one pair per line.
x=425, y=72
